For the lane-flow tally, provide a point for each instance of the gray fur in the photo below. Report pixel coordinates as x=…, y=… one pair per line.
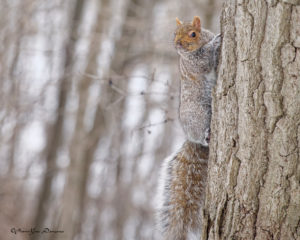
x=195, y=94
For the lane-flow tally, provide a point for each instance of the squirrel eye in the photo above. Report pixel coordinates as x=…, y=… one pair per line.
x=192, y=34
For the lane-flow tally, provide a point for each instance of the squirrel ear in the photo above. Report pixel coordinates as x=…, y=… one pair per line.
x=178, y=22
x=197, y=23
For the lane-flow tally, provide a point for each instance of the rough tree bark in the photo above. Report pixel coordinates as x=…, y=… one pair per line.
x=254, y=172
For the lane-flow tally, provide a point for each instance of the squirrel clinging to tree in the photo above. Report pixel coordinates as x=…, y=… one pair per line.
x=183, y=176
x=198, y=49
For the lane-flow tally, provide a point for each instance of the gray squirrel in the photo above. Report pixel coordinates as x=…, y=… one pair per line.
x=183, y=175
x=198, y=49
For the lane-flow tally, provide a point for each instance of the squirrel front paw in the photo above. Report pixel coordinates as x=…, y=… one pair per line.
x=216, y=50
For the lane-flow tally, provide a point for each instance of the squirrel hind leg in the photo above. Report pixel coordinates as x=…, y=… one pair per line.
x=207, y=135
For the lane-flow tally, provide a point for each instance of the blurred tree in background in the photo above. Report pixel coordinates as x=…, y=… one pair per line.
x=89, y=96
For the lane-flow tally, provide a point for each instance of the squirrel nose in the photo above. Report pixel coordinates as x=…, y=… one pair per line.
x=178, y=43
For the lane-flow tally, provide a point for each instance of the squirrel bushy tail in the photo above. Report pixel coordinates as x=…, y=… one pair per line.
x=182, y=189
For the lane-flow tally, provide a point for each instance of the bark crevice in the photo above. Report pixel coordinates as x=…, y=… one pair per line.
x=254, y=150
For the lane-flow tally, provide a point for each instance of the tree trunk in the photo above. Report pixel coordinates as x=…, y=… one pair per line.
x=254, y=172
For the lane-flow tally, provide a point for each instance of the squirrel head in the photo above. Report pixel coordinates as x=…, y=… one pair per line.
x=188, y=35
